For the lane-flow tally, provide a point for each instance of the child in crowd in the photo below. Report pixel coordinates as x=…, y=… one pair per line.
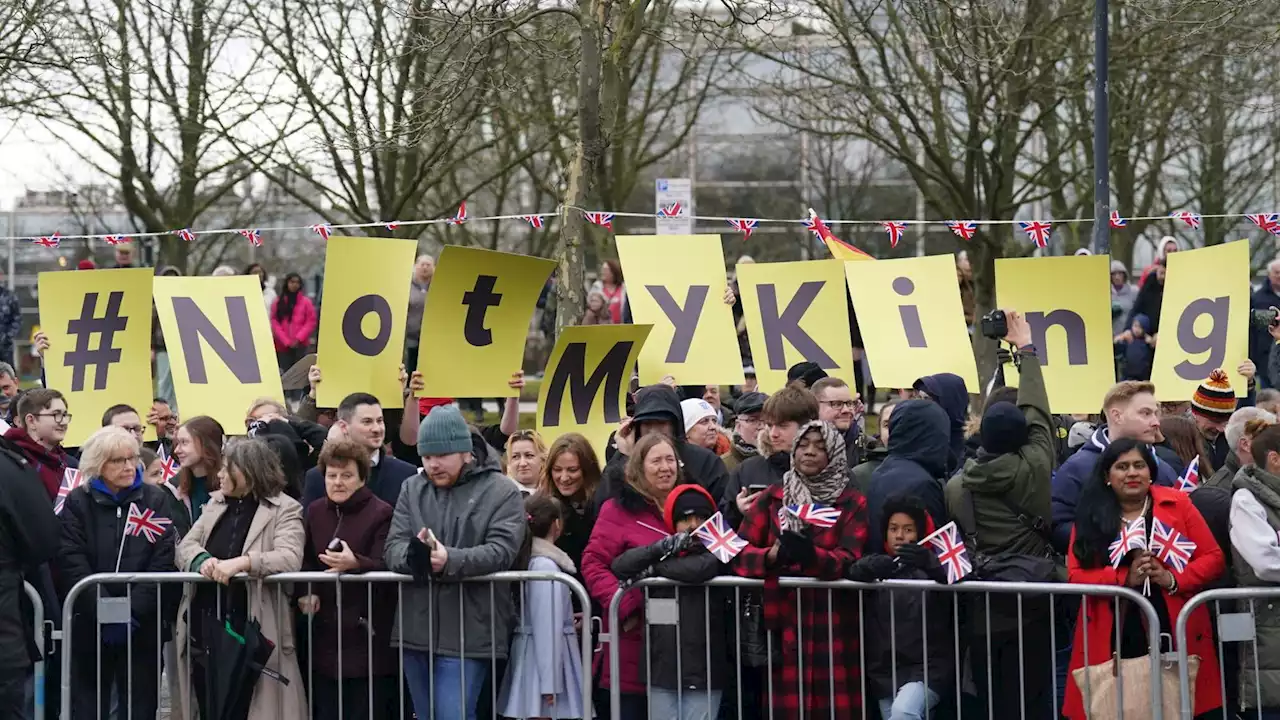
x=152, y=468
x=683, y=686
x=1140, y=352
x=544, y=677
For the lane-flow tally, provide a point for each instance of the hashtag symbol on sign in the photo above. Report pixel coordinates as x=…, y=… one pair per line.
x=83, y=329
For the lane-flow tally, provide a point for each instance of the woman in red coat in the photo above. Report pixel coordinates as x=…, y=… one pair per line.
x=1120, y=491
x=819, y=662
x=293, y=320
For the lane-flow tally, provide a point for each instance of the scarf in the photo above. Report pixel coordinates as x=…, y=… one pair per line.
x=826, y=486
x=744, y=448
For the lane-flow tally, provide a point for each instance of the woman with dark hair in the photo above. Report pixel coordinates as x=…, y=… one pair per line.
x=1183, y=437
x=570, y=474
x=610, y=285
x=1119, y=494
x=268, y=292
x=250, y=526
x=198, y=448
x=293, y=319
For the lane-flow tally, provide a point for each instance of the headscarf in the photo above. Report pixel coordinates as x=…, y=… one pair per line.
x=826, y=486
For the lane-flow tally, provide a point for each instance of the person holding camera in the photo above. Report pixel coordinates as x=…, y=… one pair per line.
x=1263, y=304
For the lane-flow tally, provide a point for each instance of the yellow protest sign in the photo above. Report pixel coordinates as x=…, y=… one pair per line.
x=1203, y=325
x=693, y=338
x=99, y=327
x=584, y=389
x=1067, y=303
x=220, y=347
x=361, y=342
x=796, y=312
x=477, y=319
x=911, y=319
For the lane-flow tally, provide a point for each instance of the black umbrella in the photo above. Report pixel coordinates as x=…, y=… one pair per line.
x=233, y=663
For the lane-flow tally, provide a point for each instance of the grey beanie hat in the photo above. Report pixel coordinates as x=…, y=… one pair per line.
x=443, y=431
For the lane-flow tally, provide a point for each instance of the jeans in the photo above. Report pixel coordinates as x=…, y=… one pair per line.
x=687, y=705
x=911, y=703
x=437, y=680
x=14, y=702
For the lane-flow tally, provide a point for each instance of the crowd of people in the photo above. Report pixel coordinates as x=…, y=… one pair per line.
x=417, y=490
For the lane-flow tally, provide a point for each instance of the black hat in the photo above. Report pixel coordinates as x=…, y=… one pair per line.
x=686, y=500
x=1004, y=428
x=808, y=372
x=750, y=402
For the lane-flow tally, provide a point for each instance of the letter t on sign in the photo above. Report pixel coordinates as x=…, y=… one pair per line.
x=684, y=320
x=478, y=301
x=787, y=325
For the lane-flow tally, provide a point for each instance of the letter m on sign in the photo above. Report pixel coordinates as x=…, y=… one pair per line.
x=570, y=377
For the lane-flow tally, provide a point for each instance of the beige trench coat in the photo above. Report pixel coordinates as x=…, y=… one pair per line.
x=274, y=545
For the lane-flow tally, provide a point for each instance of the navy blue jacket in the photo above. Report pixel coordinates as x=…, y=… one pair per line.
x=1072, y=475
x=915, y=466
x=949, y=391
x=385, y=480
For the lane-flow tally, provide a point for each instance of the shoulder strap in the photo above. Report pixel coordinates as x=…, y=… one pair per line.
x=968, y=523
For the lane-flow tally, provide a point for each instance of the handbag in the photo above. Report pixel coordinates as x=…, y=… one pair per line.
x=1100, y=686
x=756, y=640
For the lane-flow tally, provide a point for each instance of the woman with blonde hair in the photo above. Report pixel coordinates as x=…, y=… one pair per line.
x=570, y=474
x=249, y=526
x=524, y=456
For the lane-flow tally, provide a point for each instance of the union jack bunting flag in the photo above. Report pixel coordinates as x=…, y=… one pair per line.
x=746, y=227
x=391, y=225
x=1190, y=479
x=1117, y=221
x=1133, y=536
x=894, y=229
x=1172, y=547
x=185, y=234
x=603, y=219
x=670, y=211
x=117, y=239
x=460, y=216
x=952, y=554
x=719, y=538
x=169, y=466
x=963, y=229
x=253, y=236
x=71, y=479
x=1038, y=231
x=49, y=241
x=1191, y=219
x=815, y=514
x=324, y=230
x=535, y=221
x=145, y=523
x=1266, y=221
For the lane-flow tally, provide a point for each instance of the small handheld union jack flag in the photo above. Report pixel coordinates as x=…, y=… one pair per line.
x=603, y=219
x=1190, y=479
x=746, y=227
x=324, y=230
x=1172, y=547
x=1039, y=232
x=1266, y=221
x=963, y=229
x=815, y=225
x=1117, y=221
x=117, y=239
x=1191, y=219
x=253, y=236
x=71, y=479
x=535, y=221
x=49, y=241
x=185, y=234
x=952, y=554
x=145, y=523
x=670, y=211
x=460, y=216
x=1133, y=536
x=719, y=538
x=895, y=230
x=169, y=466
x=815, y=514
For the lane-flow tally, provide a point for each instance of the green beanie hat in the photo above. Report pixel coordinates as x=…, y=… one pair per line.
x=443, y=431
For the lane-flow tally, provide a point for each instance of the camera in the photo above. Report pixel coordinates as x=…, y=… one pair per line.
x=1263, y=318
x=995, y=325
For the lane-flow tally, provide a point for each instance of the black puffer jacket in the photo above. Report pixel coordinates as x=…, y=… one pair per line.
x=915, y=466
x=901, y=625
x=700, y=465
x=695, y=637
x=93, y=527
x=949, y=391
x=28, y=539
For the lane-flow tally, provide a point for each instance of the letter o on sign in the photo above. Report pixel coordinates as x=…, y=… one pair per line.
x=354, y=317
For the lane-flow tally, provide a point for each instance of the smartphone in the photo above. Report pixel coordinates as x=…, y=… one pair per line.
x=431, y=539
x=335, y=545
x=753, y=489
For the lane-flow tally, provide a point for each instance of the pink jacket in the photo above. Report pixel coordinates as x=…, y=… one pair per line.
x=298, y=328
x=624, y=523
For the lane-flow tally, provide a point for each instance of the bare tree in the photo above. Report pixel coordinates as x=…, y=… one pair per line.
x=27, y=27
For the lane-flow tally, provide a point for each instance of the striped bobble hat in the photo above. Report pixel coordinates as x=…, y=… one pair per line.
x=1214, y=399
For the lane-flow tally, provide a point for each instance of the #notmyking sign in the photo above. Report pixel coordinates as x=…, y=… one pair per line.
x=217, y=333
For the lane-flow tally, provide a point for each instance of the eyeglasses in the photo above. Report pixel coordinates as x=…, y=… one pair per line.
x=842, y=404
x=130, y=460
x=59, y=416
x=135, y=429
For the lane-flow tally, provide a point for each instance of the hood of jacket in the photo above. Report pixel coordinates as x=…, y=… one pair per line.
x=660, y=402
x=918, y=431
x=1264, y=486
x=949, y=391
x=484, y=460
x=542, y=548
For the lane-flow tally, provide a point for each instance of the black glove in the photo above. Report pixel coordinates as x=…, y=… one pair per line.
x=797, y=548
x=872, y=568
x=672, y=544
x=419, y=559
x=923, y=559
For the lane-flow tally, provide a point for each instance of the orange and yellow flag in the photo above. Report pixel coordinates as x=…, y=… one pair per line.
x=839, y=249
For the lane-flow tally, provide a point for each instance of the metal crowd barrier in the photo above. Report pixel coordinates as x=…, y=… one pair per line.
x=1233, y=624
x=283, y=585
x=37, y=674
x=815, y=587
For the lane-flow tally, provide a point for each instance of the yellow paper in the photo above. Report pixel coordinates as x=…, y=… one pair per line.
x=676, y=283
x=804, y=302
x=91, y=315
x=1067, y=301
x=585, y=386
x=477, y=319
x=911, y=319
x=220, y=347
x=1204, y=320
x=362, y=323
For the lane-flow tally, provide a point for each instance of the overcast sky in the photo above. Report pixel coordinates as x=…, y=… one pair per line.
x=34, y=159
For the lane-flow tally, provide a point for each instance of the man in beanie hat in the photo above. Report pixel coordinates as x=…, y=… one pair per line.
x=743, y=443
x=1211, y=408
x=807, y=373
x=458, y=518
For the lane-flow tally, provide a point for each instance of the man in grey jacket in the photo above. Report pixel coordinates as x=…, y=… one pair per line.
x=459, y=518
